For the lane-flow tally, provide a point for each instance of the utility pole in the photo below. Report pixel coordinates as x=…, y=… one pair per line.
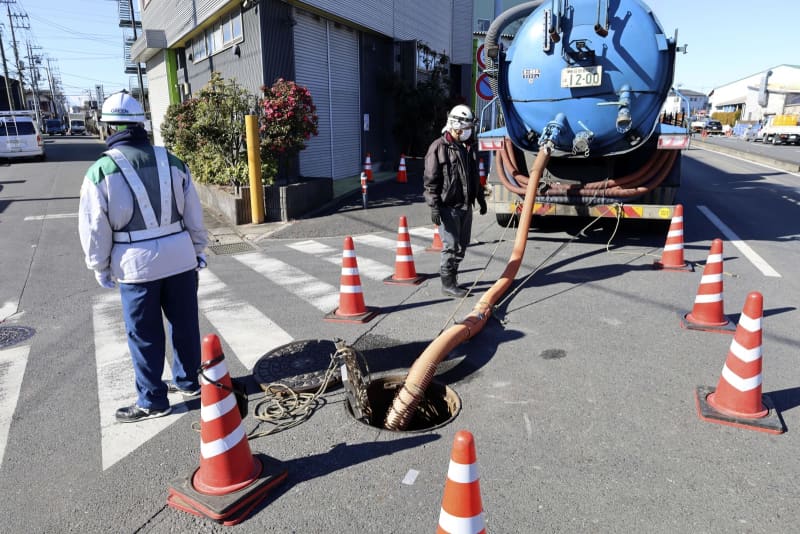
x=14, y=45
x=5, y=73
x=32, y=62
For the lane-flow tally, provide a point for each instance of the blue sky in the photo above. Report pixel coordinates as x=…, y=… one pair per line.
x=727, y=39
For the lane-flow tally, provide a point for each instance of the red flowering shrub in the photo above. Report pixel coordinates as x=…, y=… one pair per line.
x=287, y=123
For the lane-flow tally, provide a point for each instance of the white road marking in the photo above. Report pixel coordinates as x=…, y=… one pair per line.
x=7, y=310
x=743, y=247
x=319, y=294
x=249, y=333
x=12, y=368
x=383, y=242
x=115, y=384
x=51, y=216
x=368, y=268
x=422, y=232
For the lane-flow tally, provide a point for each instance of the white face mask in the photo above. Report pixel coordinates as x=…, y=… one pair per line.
x=464, y=135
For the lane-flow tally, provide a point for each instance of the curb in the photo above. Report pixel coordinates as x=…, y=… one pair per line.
x=756, y=158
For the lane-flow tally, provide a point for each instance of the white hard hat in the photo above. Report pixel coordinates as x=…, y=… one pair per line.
x=460, y=118
x=122, y=108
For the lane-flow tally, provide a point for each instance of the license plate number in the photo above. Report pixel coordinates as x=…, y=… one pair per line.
x=581, y=76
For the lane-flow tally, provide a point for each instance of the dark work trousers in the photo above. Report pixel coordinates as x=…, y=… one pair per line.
x=455, y=231
x=142, y=305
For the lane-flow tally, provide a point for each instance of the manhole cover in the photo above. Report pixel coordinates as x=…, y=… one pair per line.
x=439, y=406
x=299, y=365
x=230, y=248
x=11, y=335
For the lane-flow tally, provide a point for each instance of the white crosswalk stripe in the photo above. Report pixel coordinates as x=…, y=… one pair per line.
x=367, y=267
x=12, y=368
x=250, y=339
x=377, y=241
x=319, y=294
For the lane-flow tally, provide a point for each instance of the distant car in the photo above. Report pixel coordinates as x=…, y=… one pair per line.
x=714, y=128
x=20, y=137
x=53, y=127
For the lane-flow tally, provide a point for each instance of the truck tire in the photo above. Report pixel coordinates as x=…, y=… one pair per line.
x=507, y=219
x=776, y=140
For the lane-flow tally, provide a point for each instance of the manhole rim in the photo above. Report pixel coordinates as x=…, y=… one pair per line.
x=458, y=405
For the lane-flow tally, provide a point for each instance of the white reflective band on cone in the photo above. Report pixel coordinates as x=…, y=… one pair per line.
x=350, y=289
x=746, y=355
x=218, y=409
x=461, y=525
x=462, y=473
x=742, y=384
x=219, y=446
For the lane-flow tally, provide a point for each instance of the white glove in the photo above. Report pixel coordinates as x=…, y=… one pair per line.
x=104, y=279
x=201, y=261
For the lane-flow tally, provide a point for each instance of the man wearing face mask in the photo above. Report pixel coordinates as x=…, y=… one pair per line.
x=452, y=185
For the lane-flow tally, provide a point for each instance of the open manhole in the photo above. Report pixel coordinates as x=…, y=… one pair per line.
x=11, y=335
x=299, y=365
x=440, y=405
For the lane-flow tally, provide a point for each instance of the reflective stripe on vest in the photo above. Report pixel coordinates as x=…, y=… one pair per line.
x=152, y=229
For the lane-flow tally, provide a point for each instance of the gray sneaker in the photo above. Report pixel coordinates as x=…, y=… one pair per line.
x=191, y=393
x=134, y=413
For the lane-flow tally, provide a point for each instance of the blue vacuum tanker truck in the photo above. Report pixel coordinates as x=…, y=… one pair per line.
x=588, y=77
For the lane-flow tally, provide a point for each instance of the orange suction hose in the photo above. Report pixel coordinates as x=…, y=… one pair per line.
x=419, y=376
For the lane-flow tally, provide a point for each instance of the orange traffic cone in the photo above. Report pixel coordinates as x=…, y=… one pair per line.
x=708, y=313
x=482, y=172
x=737, y=400
x=672, y=257
x=351, y=298
x=462, y=510
x=230, y=481
x=437, y=244
x=404, y=271
x=368, y=167
x=402, y=177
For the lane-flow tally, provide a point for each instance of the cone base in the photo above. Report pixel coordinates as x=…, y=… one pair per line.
x=365, y=317
x=663, y=267
x=391, y=280
x=233, y=507
x=434, y=249
x=689, y=323
x=771, y=423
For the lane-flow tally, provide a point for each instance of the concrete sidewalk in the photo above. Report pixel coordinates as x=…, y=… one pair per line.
x=221, y=232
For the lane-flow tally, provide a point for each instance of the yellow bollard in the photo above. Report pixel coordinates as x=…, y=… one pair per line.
x=254, y=166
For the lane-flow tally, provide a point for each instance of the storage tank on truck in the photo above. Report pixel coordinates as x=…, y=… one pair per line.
x=591, y=76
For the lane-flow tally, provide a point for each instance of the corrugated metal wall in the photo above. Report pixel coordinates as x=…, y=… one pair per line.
x=245, y=68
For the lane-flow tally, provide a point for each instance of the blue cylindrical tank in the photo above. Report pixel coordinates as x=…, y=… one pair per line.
x=591, y=75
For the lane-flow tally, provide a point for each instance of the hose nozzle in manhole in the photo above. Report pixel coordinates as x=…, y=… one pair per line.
x=439, y=405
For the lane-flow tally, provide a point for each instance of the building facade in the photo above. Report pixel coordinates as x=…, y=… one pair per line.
x=775, y=91
x=341, y=50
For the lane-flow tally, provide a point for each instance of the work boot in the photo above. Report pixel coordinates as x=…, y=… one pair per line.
x=449, y=287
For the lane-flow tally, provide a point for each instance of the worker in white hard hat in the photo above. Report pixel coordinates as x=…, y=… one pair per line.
x=141, y=227
x=452, y=186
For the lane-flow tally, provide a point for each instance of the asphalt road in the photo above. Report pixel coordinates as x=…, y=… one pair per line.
x=581, y=400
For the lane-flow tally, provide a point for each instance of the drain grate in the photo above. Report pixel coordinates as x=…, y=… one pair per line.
x=11, y=335
x=230, y=248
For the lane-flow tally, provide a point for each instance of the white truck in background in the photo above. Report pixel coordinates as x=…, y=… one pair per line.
x=77, y=124
x=783, y=129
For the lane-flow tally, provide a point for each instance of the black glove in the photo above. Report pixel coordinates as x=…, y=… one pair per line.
x=436, y=218
x=482, y=204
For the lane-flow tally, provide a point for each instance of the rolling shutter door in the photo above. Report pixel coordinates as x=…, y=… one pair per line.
x=326, y=61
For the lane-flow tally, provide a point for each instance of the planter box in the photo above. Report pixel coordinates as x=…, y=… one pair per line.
x=281, y=203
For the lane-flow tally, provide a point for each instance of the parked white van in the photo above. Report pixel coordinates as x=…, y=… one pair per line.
x=20, y=136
